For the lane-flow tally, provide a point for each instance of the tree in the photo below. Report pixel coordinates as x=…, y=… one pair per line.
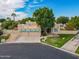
x=70, y=25
x=62, y=19
x=8, y=18
x=75, y=21
x=45, y=18
x=30, y=18
x=10, y=24
x=14, y=15
x=2, y=20
x=23, y=21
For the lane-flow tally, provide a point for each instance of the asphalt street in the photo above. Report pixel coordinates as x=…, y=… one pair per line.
x=32, y=51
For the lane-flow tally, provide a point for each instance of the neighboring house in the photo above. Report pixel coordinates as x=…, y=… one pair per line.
x=29, y=27
x=29, y=33
x=60, y=29
x=30, y=30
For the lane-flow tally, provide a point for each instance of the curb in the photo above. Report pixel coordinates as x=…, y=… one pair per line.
x=62, y=49
x=66, y=44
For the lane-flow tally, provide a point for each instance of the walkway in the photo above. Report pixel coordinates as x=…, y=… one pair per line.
x=72, y=45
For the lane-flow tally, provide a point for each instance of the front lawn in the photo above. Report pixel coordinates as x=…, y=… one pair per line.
x=77, y=51
x=59, y=41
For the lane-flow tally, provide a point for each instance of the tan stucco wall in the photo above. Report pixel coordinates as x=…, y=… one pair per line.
x=66, y=32
x=31, y=36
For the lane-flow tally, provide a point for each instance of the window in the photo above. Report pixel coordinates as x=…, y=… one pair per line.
x=55, y=30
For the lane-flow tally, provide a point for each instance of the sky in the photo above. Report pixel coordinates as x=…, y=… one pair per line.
x=25, y=8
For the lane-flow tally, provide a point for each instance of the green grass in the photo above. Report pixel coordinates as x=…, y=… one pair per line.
x=60, y=41
x=77, y=51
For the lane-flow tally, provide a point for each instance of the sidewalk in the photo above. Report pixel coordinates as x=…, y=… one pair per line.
x=72, y=45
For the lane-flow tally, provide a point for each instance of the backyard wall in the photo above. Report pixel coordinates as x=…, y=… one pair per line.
x=27, y=36
x=66, y=32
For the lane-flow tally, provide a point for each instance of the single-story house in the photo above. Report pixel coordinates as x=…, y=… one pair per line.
x=60, y=29
x=31, y=30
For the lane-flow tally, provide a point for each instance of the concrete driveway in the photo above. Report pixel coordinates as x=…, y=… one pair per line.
x=25, y=39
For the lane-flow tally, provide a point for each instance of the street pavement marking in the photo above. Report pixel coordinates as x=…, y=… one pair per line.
x=5, y=56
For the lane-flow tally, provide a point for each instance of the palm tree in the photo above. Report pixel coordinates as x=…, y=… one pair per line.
x=14, y=15
x=8, y=18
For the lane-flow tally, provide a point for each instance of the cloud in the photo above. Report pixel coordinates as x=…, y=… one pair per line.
x=21, y=15
x=37, y=1
x=7, y=7
x=31, y=6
